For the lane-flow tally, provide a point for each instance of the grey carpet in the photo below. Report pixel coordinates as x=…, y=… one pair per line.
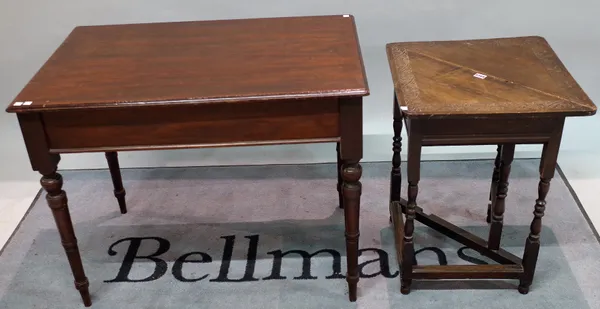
x=196, y=215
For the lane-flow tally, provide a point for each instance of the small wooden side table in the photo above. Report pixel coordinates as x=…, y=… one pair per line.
x=503, y=92
x=196, y=84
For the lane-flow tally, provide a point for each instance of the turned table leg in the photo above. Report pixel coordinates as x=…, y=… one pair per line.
x=498, y=206
x=351, y=173
x=115, y=173
x=396, y=176
x=414, y=174
x=57, y=201
x=340, y=181
x=494, y=185
x=532, y=244
x=350, y=148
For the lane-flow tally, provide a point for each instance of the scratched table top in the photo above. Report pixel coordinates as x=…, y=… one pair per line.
x=500, y=76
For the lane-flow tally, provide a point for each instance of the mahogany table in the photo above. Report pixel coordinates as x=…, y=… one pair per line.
x=502, y=92
x=193, y=84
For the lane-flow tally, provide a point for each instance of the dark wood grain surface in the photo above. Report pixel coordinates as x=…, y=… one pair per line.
x=190, y=126
x=199, y=62
x=523, y=76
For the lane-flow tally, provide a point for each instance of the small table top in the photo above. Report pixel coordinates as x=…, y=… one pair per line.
x=199, y=62
x=484, y=77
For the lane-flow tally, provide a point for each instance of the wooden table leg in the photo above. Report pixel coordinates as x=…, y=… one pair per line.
x=351, y=174
x=115, y=173
x=57, y=201
x=52, y=182
x=395, y=207
x=395, y=175
x=532, y=244
x=351, y=153
x=414, y=174
x=339, y=175
x=506, y=157
x=494, y=185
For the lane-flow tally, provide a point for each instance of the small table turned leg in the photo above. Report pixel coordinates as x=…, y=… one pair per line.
x=57, y=201
x=396, y=175
x=414, y=172
x=494, y=185
x=498, y=205
x=532, y=244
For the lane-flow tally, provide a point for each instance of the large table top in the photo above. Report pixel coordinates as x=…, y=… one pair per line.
x=484, y=77
x=199, y=62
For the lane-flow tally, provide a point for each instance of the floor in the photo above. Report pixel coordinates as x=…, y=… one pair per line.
x=178, y=206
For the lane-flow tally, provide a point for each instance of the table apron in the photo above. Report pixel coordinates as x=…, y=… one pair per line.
x=203, y=125
x=484, y=131
x=473, y=140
